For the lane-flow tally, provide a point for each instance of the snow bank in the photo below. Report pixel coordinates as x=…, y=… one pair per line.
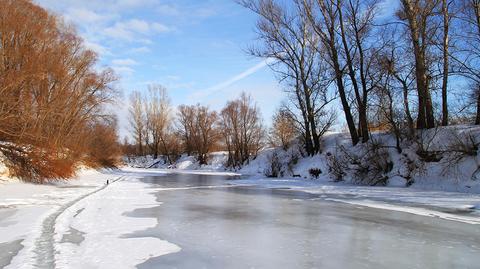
x=449, y=169
x=4, y=172
x=455, y=171
x=216, y=162
x=24, y=206
x=102, y=215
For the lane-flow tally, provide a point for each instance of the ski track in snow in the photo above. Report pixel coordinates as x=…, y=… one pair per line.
x=99, y=216
x=44, y=245
x=107, y=229
x=45, y=248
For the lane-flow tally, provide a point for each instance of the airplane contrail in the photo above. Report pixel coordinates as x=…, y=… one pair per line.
x=224, y=84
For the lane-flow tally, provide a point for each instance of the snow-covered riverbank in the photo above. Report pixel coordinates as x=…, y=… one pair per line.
x=455, y=206
x=25, y=206
x=46, y=225
x=34, y=218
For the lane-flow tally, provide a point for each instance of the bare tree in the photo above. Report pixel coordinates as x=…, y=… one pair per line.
x=138, y=121
x=290, y=41
x=186, y=127
x=197, y=128
x=418, y=15
x=356, y=22
x=466, y=53
x=208, y=134
x=283, y=130
x=242, y=130
x=324, y=16
x=446, y=56
x=158, y=118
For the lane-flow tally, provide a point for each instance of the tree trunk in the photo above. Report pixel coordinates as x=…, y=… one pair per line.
x=407, y=107
x=420, y=68
x=445, y=62
x=343, y=97
x=362, y=124
x=429, y=108
x=314, y=139
x=477, y=119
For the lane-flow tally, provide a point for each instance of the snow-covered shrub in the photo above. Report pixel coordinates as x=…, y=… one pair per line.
x=294, y=153
x=280, y=162
x=369, y=163
x=463, y=145
x=379, y=162
x=427, y=146
x=315, y=172
x=336, y=167
x=274, y=165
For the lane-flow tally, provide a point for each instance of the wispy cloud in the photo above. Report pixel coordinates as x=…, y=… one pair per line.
x=135, y=29
x=124, y=66
x=124, y=62
x=168, y=10
x=222, y=85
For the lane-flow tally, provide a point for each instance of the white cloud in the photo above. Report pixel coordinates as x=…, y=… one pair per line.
x=205, y=12
x=142, y=49
x=99, y=49
x=168, y=10
x=105, y=5
x=124, y=62
x=123, y=70
x=134, y=29
x=83, y=15
x=188, y=12
x=124, y=66
x=160, y=28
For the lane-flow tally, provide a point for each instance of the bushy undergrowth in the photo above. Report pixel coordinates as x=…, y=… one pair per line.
x=280, y=162
x=446, y=154
x=36, y=166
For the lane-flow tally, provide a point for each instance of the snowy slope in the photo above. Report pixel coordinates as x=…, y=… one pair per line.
x=453, y=171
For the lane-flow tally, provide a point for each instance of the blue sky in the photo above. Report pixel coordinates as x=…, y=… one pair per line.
x=194, y=48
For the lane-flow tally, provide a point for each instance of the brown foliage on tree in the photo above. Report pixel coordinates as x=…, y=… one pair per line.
x=50, y=89
x=197, y=127
x=158, y=118
x=242, y=130
x=103, y=149
x=283, y=130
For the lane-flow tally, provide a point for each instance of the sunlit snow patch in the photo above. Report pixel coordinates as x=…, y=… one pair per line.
x=105, y=228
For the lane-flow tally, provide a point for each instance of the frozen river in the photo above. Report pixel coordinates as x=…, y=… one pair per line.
x=221, y=226
x=149, y=219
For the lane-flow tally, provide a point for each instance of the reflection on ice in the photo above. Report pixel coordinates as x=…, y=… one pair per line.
x=251, y=227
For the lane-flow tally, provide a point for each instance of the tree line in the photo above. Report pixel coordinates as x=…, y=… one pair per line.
x=52, y=104
x=416, y=70
x=405, y=73
x=160, y=130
